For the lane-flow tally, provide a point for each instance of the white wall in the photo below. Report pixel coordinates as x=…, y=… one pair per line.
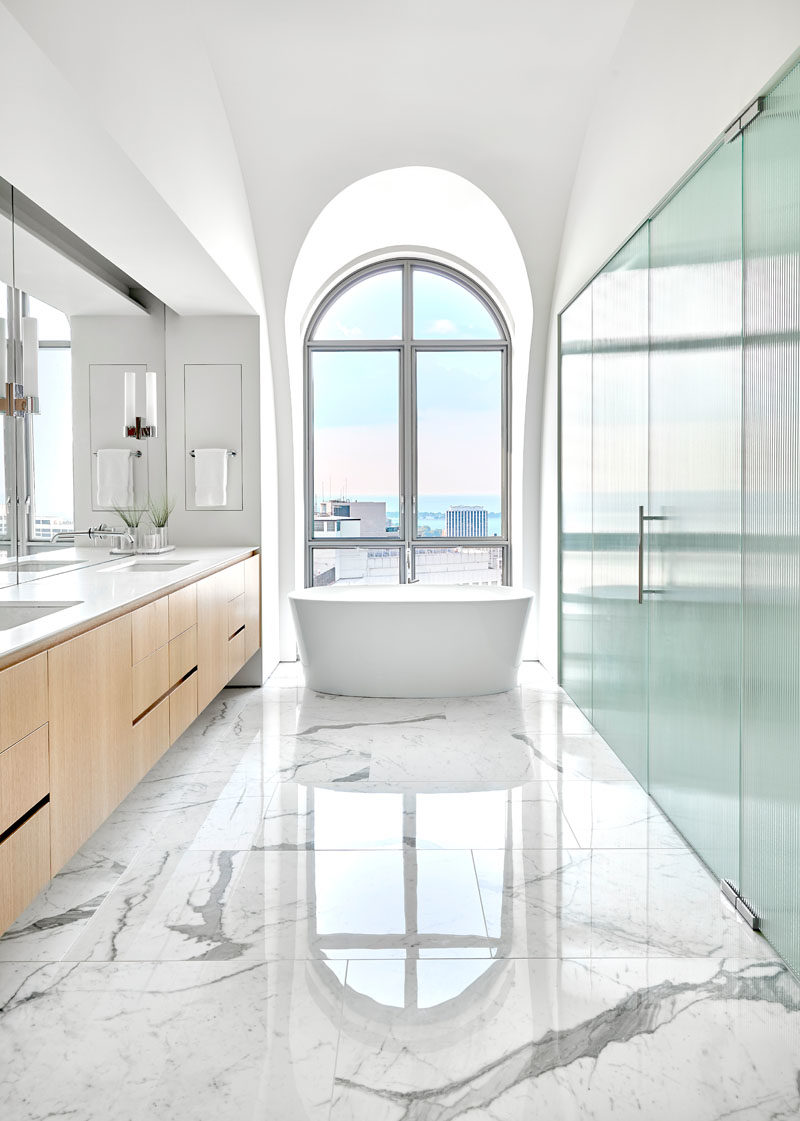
x=417, y=211
x=680, y=75
x=231, y=342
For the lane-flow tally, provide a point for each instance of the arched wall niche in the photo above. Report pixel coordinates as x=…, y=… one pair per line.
x=421, y=212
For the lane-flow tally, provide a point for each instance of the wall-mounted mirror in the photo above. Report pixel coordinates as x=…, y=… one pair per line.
x=84, y=325
x=8, y=570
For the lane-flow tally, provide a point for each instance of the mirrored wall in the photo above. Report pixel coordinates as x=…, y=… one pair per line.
x=74, y=326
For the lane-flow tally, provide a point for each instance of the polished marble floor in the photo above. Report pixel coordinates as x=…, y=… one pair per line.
x=341, y=909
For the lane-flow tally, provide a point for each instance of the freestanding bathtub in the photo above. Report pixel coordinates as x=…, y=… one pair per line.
x=411, y=640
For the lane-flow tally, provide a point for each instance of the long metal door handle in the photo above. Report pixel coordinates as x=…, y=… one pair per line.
x=641, y=555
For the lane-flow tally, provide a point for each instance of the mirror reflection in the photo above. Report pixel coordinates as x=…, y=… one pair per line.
x=73, y=481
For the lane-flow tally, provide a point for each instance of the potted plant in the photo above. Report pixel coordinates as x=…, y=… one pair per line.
x=159, y=510
x=132, y=518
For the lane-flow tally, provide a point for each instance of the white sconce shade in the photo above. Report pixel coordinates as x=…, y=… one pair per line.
x=3, y=352
x=151, y=399
x=30, y=356
x=130, y=399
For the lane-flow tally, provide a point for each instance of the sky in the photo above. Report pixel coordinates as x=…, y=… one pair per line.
x=356, y=394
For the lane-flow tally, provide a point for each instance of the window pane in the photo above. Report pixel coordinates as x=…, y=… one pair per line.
x=53, y=324
x=445, y=309
x=459, y=444
x=354, y=566
x=52, y=447
x=370, y=309
x=356, y=443
x=459, y=564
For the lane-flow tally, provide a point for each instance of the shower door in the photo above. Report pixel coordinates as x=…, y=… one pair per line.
x=693, y=529
x=771, y=671
x=619, y=489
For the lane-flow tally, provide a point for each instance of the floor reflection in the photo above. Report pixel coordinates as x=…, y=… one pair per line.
x=341, y=909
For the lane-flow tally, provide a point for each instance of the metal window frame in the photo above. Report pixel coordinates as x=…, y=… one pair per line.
x=407, y=349
x=29, y=449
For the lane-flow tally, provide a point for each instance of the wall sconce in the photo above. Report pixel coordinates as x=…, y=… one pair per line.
x=21, y=397
x=141, y=427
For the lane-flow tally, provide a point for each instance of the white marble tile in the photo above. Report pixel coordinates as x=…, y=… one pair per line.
x=217, y=1041
x=191, y=905
x=553, y=714
x=521, y=931
x=615, y=815
x=608, y=903
x=572, y=1040
x=461, y=751
x=556, y=757
x=47, y=929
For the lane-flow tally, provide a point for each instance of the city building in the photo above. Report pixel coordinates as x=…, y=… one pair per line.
x=371, y=515
x=466, y=521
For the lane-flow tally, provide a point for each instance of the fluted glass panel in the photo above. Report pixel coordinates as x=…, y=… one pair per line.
x=619, y=457
x=576, y=500
x=771, y=677
x=694, y=552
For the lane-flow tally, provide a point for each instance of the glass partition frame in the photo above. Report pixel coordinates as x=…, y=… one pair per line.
x=409, y=348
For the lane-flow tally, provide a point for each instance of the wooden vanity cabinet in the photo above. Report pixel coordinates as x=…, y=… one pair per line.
x=91, y=757
x=252, y=605
x=212, y=636
x=24, y=786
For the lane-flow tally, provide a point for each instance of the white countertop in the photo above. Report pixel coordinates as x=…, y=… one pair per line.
x=98, y=584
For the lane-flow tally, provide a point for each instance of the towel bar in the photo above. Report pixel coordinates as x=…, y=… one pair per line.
x=138, y=454
x=191, y=453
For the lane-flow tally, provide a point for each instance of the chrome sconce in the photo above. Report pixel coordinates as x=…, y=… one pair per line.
x=21, y=397
x=141, y=427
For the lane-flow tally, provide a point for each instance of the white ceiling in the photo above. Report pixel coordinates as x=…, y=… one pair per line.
x=295, y=101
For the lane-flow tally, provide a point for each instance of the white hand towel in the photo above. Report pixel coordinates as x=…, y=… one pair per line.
x=210, y=476
x=114, y=477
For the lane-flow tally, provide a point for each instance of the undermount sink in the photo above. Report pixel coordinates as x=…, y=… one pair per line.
x=147, y=566
x=18, y=614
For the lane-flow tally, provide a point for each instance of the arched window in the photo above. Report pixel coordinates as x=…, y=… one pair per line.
x=407, y=417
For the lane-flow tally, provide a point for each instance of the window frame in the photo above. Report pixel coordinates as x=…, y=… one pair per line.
x=29, y=451
x=408, y=348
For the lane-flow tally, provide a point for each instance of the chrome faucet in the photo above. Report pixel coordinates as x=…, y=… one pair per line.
x=124, y=537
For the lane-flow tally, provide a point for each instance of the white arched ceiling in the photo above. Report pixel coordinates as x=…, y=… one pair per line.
x=426, y=212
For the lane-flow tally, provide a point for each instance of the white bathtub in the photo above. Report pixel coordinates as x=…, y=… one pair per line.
x=411, y=640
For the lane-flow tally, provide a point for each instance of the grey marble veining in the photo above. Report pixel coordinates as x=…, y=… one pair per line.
x=572, y=1041
x=322, y=908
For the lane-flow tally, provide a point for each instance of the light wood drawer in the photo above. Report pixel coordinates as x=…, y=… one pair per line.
x=182, y=610
x=24, y=866
x=150, y=680
x=236, y=615
x=149, y=629
x=23, y=699
x=236, y=658
x=24, y=776
x=252, y=604
x=182, y=707
x=182, y=655
x=151, y=738
x=234, y=580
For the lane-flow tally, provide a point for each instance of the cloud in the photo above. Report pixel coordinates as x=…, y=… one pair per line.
x=444, y=327
x=349, y=332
